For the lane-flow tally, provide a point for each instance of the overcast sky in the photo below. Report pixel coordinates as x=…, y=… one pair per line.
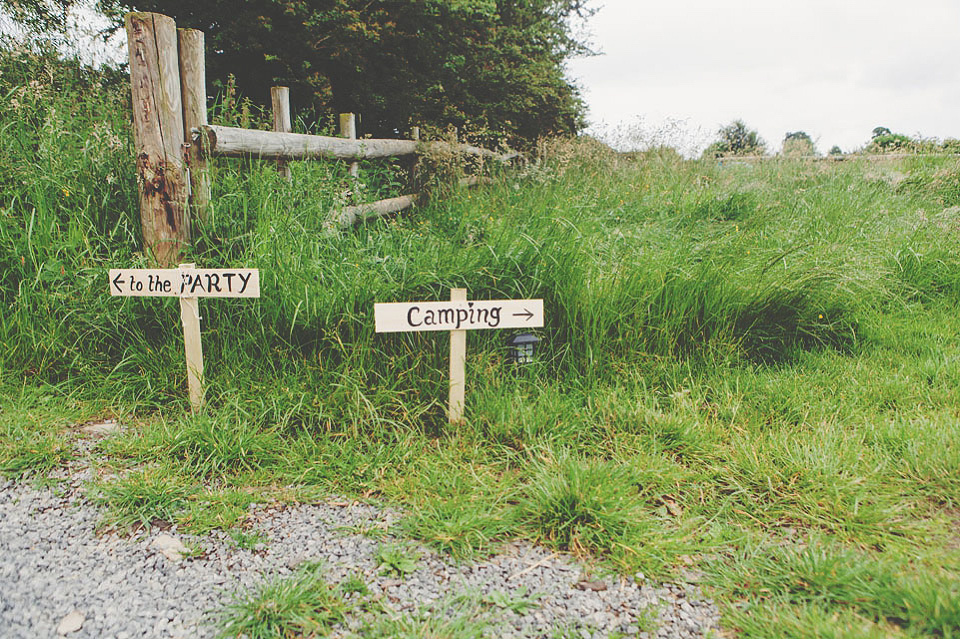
x=833, y=68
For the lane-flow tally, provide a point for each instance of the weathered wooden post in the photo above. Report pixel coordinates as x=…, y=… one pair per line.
x=348, y=129
x=415, y=161
x=280, y=100
x=193, y=88
x=158, y=135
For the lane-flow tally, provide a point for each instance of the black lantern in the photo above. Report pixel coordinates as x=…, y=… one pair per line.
x=522, y=348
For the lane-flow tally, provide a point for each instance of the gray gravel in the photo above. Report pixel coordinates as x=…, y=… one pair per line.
x=55, y=569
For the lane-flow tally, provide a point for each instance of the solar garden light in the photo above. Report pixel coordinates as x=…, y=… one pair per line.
x=522, y=348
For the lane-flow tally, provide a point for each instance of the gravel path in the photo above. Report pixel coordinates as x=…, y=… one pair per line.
x=59, y=578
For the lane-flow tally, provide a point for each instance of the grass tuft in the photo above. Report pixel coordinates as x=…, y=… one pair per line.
x=591, y=507
x=302, y=605
x=142, y=496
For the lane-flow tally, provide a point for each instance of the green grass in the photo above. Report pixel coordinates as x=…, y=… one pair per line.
x=300, y=605
x=143, y=496
x=752, y=368
x=458, y=618
x=32, y=424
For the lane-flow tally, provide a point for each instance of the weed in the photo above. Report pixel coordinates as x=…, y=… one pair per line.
x=354, y=584
x=518, y=603
x=446, y=620
x=377, y=531
x=396, y=559
x=248, y=540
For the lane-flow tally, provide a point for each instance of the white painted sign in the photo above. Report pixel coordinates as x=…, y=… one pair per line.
x=185, y=282
x=188, y=283
x=411, y=317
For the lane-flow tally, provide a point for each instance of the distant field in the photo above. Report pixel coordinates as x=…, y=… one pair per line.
x=749, y=374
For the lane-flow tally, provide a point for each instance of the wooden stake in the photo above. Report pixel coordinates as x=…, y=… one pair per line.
x=190, y=318
x=458, y=361
x=348, y=129
x=280, y=99
x=158, y=134
x=414, y=173
x=193, y=88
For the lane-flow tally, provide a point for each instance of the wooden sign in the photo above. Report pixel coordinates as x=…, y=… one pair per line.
x=412, y=317
x=457, y=316
x=189, y=284
x=185, y=282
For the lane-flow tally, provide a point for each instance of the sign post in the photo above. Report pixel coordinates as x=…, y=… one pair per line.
x=192, y=346
x=458, y=364
x=189, y=284
x=457, y=316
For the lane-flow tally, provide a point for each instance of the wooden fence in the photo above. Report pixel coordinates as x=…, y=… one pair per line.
x=174, y=142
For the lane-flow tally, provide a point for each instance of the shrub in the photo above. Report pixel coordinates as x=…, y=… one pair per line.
x=893, y=143
x=736, y=139
x=798, y=144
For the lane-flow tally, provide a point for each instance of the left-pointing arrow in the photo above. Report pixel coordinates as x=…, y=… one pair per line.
x=116, y=282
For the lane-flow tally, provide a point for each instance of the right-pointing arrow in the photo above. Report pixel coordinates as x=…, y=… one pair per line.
x=527, y=314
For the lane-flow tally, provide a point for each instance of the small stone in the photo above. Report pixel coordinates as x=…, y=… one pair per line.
x=102, y=428
x=595, y=586
x=71, y=623
x=170, y=547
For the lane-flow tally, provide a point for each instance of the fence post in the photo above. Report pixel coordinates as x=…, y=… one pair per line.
x=348, y=129
x=280, y=100
x=158, y=135
x=193, y=86
x=414, y=172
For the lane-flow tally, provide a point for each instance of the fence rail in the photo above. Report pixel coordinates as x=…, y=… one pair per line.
x=235, y=142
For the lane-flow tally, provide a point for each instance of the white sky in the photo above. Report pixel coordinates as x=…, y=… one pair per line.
x=833, y=68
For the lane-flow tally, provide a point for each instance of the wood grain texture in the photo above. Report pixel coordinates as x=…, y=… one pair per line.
x=158, y=135
x=192, y=345
x=458, y=364
x=348, y=130
x=282, y=122
x=350, y=215
x=233, y=142
x=193, y=87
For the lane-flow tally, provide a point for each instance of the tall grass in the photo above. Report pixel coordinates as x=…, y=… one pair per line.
x=648, y=260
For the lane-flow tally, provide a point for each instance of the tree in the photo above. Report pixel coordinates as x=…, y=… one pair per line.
x=798, y=143
x=38, y=16
x=479, y=65
x=836, y=150
x=736, y=139
x=879, y=131
x=892, y=143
